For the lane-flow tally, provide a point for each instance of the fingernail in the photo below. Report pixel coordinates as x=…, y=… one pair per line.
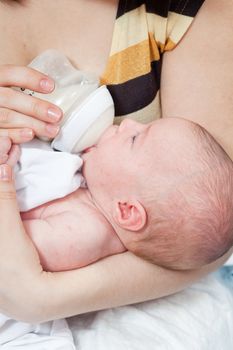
x=52, y=129
x=47, y=85
x=54, y=114
x=27, y=133
x=5, y=172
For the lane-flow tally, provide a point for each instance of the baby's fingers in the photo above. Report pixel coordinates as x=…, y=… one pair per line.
x=9, y=154
x=14, y=155
x=5, y=146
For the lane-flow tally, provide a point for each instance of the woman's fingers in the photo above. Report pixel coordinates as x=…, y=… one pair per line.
x=29, y=105
x=20, y=110
x=17, y=135
x=12, y=119
x=25, y=77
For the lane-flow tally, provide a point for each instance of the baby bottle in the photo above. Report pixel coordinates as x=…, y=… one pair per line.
x=87, y=108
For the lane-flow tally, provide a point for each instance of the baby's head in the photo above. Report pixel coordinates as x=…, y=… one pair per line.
x=166, y=187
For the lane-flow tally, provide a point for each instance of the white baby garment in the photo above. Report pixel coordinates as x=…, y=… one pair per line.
x=43, y=174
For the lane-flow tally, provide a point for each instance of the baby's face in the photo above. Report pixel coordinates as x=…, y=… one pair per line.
x=120, y=157
x=135, y=153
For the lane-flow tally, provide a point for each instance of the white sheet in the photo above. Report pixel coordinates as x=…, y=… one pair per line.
x=54, y=335
x=199, y=318
x=229, y=262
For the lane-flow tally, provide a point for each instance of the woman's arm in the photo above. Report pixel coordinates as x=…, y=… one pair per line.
x=197, y=77
x=117, y=280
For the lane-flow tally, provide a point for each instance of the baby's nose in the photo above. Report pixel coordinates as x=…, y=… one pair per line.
x=127, y=124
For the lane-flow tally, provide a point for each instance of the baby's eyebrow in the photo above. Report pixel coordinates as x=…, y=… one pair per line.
x=146, y=132
x=142, y=137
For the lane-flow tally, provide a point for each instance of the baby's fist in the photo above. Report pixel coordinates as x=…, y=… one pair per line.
x=9, y=153
x=5, y=147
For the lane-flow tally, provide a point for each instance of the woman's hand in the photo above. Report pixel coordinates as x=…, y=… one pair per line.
x=23, y=116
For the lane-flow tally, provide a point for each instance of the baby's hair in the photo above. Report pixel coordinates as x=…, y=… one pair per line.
x=190, y=224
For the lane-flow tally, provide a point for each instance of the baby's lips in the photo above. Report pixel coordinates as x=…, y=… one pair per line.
x=88, y=149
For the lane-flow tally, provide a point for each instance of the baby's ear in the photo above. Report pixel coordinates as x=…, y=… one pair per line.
x=130, y=215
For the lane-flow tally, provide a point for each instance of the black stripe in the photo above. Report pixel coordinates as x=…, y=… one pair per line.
x=186, y=7
x=153, y=6
x=137, y=93
x=161, y=7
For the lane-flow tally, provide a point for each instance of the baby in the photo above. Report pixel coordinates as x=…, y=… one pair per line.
x=161, y=190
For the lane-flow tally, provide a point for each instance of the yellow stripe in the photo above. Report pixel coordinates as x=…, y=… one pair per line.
x=131, y=63
x=138, y=39
x=154, y=48
x=128, y=64
x=170, y=45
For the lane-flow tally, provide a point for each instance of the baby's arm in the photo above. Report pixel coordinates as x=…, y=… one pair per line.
x=66, y=241
x=41, y=232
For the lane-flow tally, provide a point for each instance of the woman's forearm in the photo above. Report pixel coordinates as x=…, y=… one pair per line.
x=117, y=280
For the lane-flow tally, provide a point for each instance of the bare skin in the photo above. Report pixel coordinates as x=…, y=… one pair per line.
x=71, y=232
x=124, y=278
x=205, y=86
x=86, y=41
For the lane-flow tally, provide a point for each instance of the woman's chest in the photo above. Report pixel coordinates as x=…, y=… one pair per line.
x=82, y=30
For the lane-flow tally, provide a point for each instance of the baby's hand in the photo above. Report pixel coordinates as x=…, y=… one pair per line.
x=9, y=153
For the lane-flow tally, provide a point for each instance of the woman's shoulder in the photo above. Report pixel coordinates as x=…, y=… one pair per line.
x=170, y=20
x=144, y=30
x=165, y=20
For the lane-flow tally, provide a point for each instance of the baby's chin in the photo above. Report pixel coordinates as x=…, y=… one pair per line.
x=85, y=166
